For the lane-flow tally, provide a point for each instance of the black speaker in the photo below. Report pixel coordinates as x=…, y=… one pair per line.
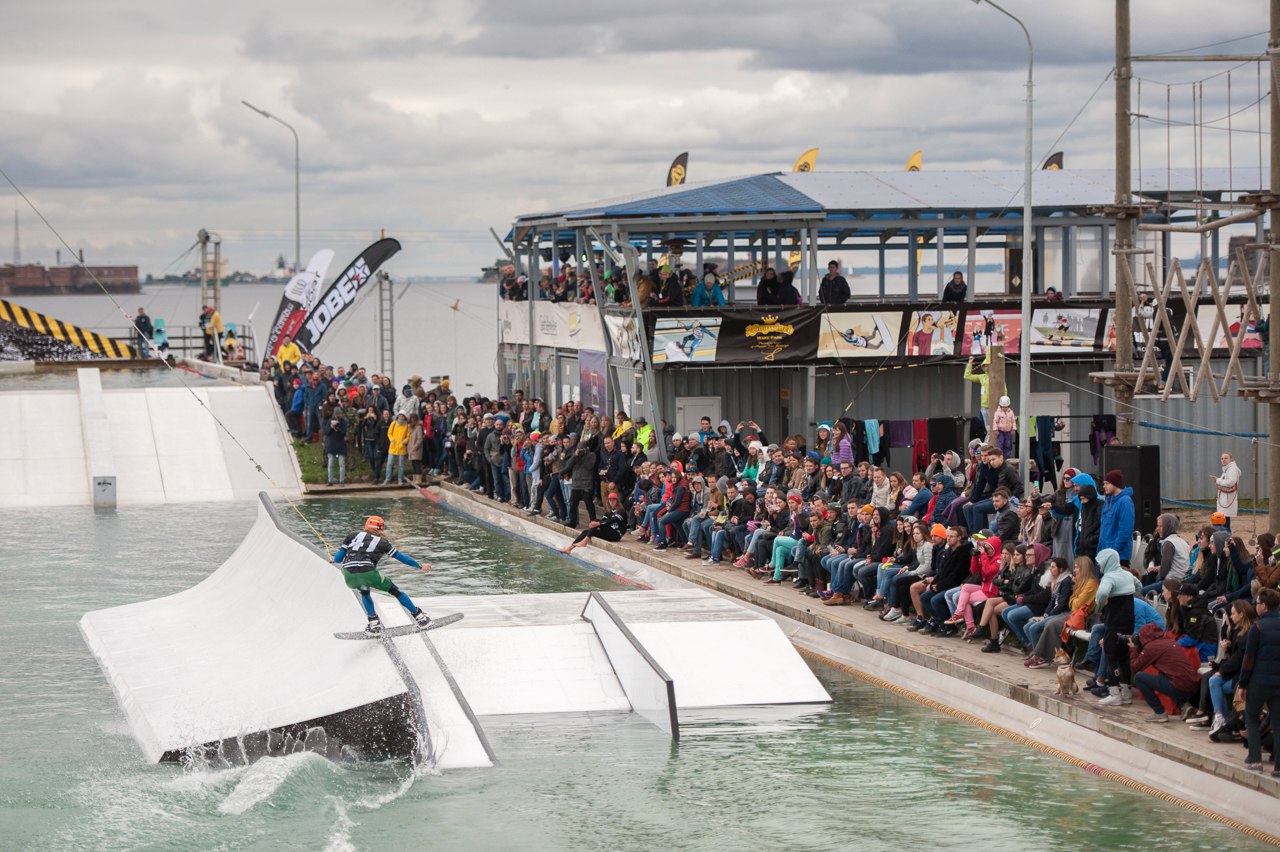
x=1140, y=467
x=948, y=433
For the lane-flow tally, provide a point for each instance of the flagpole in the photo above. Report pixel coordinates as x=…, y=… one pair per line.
x=1024, y=352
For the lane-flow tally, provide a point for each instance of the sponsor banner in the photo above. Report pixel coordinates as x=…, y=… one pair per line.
x=343, y=291
x=297, y=300
x=513, y=322
x=756, y=337
x=1238, y=317
x=983, y=327
x=684, y=339
x=566, y=325
x=860, y=334
x=1060, y=329
x=931, y=333
x=591, y=378
x=622, y=332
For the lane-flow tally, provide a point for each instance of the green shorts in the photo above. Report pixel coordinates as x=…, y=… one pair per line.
x=367, y=580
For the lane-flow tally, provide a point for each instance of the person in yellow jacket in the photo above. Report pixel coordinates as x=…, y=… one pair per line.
x=398, y=436
x=288, y=351
x=644, y=435
x=983, y=381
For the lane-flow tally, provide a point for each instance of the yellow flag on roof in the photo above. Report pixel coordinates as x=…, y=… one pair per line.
x=916, y=164
x=808, y=161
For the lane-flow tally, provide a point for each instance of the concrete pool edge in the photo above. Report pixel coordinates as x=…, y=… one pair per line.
x=1064, y=729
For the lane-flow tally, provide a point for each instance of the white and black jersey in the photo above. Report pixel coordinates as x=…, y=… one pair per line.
x=363, y=550
x=615, y=521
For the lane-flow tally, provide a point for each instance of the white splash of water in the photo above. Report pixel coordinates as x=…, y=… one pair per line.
x=260, y=781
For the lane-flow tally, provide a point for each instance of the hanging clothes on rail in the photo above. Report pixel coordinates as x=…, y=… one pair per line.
x=1102, y=428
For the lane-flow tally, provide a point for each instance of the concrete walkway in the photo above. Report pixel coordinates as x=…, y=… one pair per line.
x=1002, y=674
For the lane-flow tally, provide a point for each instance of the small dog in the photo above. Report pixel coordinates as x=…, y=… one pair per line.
x=1066, y=674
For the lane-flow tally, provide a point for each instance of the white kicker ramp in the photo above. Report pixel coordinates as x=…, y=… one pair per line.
x=250, y=650
x=165, y=446
x=245, y=663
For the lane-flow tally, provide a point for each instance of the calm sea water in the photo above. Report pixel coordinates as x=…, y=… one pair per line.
x=431, y=337
x=872, y=771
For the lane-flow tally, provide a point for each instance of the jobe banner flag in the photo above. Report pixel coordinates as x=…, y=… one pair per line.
x=298, y=298
x=342, y=292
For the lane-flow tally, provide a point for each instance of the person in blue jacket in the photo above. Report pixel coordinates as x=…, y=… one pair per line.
x=708, y=291
x=1117, y=517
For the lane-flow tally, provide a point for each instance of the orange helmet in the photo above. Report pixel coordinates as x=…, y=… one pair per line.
x=375, y=524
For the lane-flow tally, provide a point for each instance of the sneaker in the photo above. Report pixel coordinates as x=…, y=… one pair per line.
x=421, y=618
x=1157, y=718
x=1004, y=634
x=660, y=546
x=928, y=627
x=991, y=646
x=916, y=625
x=1112, y=698
x=955, y=619
x=693, y=554
x=710, y=561
x=892, y=615
x=1218, y=721
x=1201, y=723
x=971, y=633
x=772, y=582
x=1036, y=663
x=373, y=628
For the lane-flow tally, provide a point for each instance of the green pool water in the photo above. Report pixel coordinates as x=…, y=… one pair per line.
x=871, y=771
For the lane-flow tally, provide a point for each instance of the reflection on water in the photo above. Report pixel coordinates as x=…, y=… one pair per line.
x=869, y=771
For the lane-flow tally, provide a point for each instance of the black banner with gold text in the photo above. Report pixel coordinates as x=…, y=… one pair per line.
x=768, y=337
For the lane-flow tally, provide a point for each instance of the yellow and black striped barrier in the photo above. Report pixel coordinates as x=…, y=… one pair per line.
x=105, y=347
x=744, y=271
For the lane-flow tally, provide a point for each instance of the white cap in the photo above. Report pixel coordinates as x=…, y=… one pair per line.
x=1005, y=402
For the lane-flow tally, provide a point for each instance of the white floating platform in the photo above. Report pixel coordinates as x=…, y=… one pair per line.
x=245, y=663
x=164, y=446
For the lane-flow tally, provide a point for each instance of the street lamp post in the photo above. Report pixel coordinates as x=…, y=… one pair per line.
x=297, y=186
x=1024, y=367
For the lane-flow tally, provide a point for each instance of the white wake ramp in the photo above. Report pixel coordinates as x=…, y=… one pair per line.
x=245, y=664
x=141, y=446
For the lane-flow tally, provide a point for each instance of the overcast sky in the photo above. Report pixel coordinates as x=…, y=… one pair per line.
x=437, y=120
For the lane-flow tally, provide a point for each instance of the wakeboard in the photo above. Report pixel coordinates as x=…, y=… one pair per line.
x=404, y=630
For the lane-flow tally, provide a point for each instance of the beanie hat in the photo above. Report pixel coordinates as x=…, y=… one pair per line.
x=795, y=495
x=868, y=509
x=939, y=530
x=1115, y=478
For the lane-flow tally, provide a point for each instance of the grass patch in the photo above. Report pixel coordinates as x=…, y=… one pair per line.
x=314, y=467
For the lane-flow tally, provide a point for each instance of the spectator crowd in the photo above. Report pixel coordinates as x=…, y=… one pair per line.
x=1191, y=626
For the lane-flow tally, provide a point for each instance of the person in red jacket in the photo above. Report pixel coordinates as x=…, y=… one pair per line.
x=1174, y=677
x=983, y=568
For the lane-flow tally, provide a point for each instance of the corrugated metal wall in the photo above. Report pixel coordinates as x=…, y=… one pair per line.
x=746, y=394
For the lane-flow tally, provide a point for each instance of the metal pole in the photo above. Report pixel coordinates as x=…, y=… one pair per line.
x=1124, y=224
x=1273, y=262
x=1024, y=353
x=297, y=185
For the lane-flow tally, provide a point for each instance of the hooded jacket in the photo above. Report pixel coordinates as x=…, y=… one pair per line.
x=987, y=566
x=1117, y=524
x=1116, y=581
x=1154, y=648
x=1175, y=554
x=1088, y=516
